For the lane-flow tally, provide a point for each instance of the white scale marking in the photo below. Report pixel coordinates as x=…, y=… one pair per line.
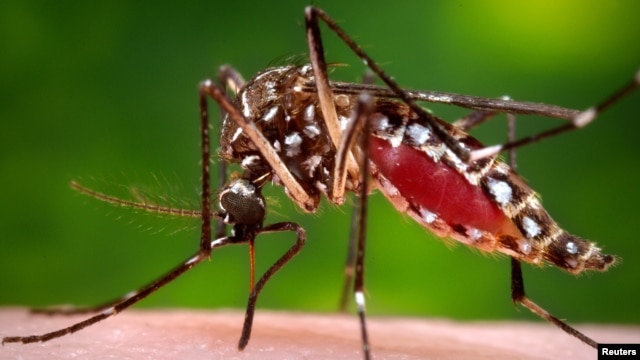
x=585, y=117
x=418, y=133
x=524, y=245
x=572, y=248
x=501, y=191
x=246, y=109
x=292, y=143
x=109, y=311
x=531, y=228
x=360, y=300
x=250, y=160
x=309, y=113
x=474, y=234
x=311, y=131
x=396, y=138
x=192, y=261
x=436, y=152
x=427, y=215
x=236, y=134
x=312, y=163
x=270, y=114
x=320, y=186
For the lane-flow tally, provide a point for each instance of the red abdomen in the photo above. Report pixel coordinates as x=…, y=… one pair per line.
x=436, y=187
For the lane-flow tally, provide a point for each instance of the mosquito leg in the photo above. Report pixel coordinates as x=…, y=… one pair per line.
x=282, y=261
x=363, y=110
x=518, y=296
x=351, y=135
x=327, y=106
x=132, y=298
x=473, y=119
x=517, y=282
x=579, y=121
x=349, y=267
x=126, y=301
x=312, y=13
x=230, y=79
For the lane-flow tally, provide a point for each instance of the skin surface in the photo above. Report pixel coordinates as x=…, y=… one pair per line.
x=190, y=334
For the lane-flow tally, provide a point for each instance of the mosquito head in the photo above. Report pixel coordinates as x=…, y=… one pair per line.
x=242, y=203
x=576, y=255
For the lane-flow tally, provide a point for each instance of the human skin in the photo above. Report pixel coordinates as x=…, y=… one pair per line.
x=201, y=334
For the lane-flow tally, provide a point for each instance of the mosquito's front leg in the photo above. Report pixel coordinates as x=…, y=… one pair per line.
x=231, y=79
x=123, y=303
x=282, y=261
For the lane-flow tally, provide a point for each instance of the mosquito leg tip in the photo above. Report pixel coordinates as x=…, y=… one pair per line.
x=585, y=117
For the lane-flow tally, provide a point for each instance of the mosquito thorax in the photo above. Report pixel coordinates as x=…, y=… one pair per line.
x=290, y=119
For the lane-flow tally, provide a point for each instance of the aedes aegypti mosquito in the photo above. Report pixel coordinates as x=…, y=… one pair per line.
x=291, y=126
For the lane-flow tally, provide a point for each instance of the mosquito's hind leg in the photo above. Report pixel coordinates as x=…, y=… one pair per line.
x=518, y=295
x=582, y=119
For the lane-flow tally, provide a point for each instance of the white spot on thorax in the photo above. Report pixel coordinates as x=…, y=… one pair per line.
x=500, y=190
x=246, y=109
x=312, y=163
x=236, y=134
x=249, y=161
x=305, y=69
x=311, y=131
x=270, y=114
x=271, y=90
x=309, y=113
x=292, y=144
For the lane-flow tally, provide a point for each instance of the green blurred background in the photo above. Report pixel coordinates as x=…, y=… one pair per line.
x=106, y=92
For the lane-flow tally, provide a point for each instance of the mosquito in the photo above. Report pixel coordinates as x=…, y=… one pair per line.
x=291, y=126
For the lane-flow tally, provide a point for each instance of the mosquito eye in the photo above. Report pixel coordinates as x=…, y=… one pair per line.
x=243, y=203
